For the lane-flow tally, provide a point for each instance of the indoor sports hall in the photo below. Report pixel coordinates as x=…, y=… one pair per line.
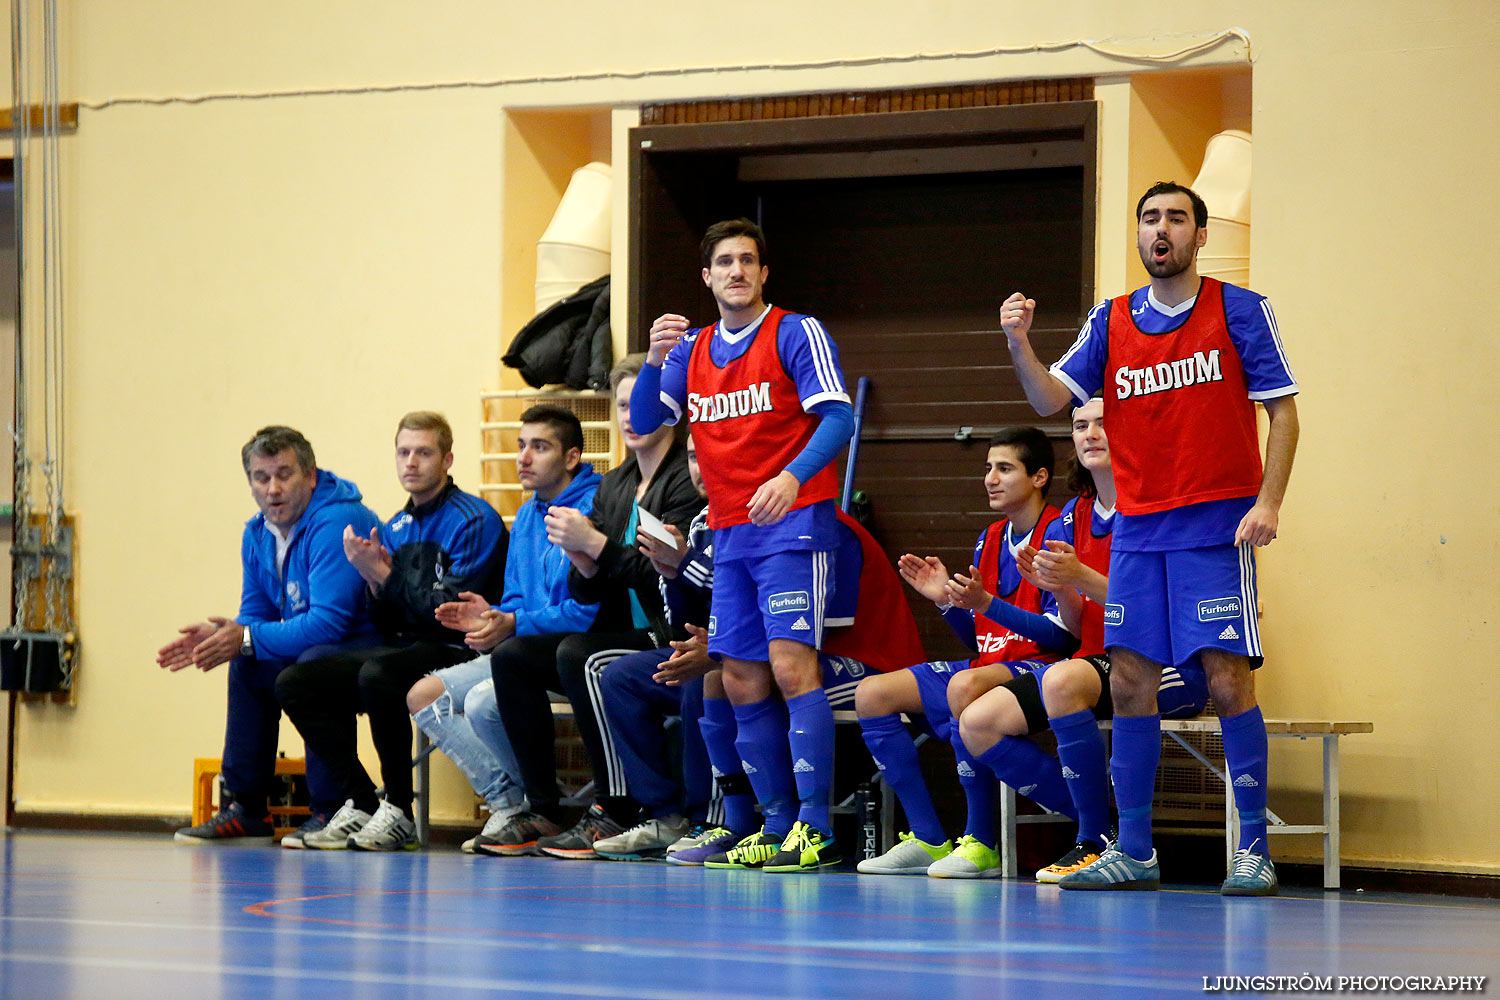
x=222, y=217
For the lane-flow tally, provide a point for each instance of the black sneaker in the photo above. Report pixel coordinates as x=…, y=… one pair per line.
x=577, y=844
x=229, y=827
x=518, y=837
x=312, y=824
x=805, y=849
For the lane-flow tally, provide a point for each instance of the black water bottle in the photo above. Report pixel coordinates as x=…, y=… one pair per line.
x=864, y=798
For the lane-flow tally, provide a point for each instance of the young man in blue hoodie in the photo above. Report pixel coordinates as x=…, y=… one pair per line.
x=533, y=618
x=441, y=542
x=456, y=706
x=299, y=596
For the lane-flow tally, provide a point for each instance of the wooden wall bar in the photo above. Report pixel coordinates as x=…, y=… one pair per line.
x=979, y=95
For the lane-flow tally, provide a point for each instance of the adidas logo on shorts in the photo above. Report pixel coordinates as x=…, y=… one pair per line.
x=748, y=768
x=802, y=766
x=1245, y=781
x=1070, y=774
x=716, y=772
x=1026, y=791
x=800, y=625
x=1229, y=633
x=964, y=770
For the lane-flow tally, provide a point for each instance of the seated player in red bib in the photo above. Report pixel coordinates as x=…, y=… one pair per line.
x=1073, y=695
x=1013, y=627
x=766, y=403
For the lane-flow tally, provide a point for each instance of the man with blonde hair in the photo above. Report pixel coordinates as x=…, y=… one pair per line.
x=441, y=543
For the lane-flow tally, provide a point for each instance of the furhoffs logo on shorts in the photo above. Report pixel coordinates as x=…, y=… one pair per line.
x=1114, y=614
x=1219, y=607
x=789, y=602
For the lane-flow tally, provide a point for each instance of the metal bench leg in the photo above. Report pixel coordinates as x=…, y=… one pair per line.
x=1331, y=812
x=421, y=785
x=1007, y=831
x=1231, y=823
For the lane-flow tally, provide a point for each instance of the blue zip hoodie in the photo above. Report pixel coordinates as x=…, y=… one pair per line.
x=536, y=571
x=318, y=597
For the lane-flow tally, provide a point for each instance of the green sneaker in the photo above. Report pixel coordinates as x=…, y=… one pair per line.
x=752, y=852
x=910, y=856
x=971, y=858
x=804, y=850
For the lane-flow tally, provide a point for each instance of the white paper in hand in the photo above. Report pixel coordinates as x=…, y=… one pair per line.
x=654, y=527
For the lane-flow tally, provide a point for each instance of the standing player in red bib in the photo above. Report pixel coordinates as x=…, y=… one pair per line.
x=765, y=399
x=1181, y=363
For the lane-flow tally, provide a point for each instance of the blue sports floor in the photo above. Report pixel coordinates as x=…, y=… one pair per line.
x=116, y=916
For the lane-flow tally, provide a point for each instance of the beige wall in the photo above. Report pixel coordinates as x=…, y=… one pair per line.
x=331, y=261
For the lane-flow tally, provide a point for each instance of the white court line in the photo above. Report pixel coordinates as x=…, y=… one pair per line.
x=695, y=952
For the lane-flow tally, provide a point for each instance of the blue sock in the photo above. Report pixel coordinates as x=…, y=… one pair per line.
x=810, y=737
x=895, y=753
x=1245, y=752
x=718, y=729
x=979, y=791
x=1031, y=771
x=761, y=742
x=1080, y=749
x=1133, y=766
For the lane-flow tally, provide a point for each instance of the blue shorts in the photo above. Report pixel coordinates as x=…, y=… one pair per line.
x=777, y=596
x=932, y=685
x=1167, y=606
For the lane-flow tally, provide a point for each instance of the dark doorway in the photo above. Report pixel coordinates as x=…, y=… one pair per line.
x=903, y=233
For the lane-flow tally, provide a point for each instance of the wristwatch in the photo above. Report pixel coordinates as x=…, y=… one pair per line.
x=247, y=644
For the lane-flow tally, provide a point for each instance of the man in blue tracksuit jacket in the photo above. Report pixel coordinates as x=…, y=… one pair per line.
x=443, y=541
x=300, y=595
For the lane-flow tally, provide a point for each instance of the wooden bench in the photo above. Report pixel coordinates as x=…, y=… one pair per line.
x=1174, y=729
x=1300, y=729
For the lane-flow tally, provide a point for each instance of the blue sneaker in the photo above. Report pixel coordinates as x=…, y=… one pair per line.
x=294, y=840
x=1115, y=870
x=231, y=826
x=1251, y=874
x=711, y=841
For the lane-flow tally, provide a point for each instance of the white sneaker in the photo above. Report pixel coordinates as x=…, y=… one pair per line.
x=644, y=841
x=909, y=857
x=389, y=829
x=335, y=836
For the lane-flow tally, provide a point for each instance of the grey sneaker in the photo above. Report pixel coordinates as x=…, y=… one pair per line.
x=910, y=856
x=335, y=836
x=518, y=837
x=646, y=841
x=577, y=844
x=389, y=829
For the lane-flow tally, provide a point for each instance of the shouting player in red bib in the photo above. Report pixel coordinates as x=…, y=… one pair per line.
x=1181, y=363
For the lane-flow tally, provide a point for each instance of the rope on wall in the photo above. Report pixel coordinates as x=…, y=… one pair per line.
x=1126, y=51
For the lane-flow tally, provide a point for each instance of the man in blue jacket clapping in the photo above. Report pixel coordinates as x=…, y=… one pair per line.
x=300, y=595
